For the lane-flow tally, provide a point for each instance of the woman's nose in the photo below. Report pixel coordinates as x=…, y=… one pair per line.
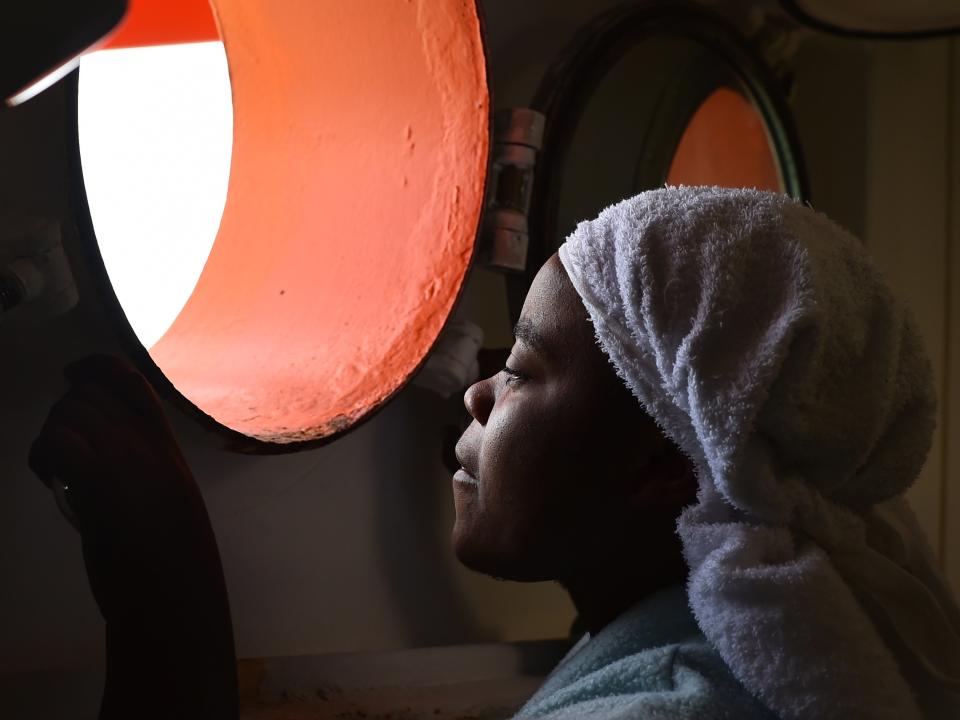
x=479, y=399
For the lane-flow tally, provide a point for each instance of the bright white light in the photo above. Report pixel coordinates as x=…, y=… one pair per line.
x=156, y=131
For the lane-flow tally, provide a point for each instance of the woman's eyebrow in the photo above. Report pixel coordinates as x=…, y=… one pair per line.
x=525, y=332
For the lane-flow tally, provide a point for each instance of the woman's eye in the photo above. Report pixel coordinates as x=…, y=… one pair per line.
x=513, y=376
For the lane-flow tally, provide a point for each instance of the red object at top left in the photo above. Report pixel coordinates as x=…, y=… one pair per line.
x=164, y=22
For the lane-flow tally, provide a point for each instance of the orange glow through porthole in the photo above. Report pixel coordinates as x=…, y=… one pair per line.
x=726, y=144
x=164, y=22
x=360, y=142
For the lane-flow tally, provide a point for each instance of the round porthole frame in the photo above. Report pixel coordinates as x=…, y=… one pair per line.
x=590, y=55
x=229, y=439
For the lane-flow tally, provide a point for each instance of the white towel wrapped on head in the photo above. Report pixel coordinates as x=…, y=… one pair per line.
x=759, y=336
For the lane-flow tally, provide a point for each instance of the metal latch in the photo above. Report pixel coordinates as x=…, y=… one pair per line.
x=517, y=136
x=35, y=277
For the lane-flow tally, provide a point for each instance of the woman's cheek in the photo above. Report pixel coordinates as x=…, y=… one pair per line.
x=517, y=447
x=494, y=463
x=503, y=457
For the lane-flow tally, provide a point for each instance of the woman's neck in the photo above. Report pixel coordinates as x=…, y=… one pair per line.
x=607, y=589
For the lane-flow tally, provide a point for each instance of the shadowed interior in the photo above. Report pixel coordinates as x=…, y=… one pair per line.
x=356, y=187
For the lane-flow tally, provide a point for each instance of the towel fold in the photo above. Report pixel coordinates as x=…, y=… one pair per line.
x=759, y=336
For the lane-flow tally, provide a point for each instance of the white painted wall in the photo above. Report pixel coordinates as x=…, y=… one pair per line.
x=907, y=213
x=951, y=427
x=880, y=127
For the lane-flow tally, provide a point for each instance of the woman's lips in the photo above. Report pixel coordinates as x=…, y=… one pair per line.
x=464, y=478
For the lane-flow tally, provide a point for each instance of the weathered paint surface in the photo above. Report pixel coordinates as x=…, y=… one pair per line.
x=356, y=186
x=726, y=144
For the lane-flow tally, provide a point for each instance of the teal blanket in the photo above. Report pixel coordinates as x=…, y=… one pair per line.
x=651, y=663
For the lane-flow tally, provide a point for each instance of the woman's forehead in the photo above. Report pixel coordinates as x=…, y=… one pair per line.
x=553, y=319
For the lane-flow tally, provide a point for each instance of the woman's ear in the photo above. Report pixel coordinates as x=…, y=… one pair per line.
x=667, y=479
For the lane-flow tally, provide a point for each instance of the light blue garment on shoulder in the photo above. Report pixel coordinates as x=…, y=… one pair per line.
x=651, y=663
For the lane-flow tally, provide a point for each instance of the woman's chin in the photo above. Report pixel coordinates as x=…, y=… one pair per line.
x=476, y=555
x=460, y=539
x=470, y=550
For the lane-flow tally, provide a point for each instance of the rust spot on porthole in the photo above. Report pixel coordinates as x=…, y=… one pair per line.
x=356, y=185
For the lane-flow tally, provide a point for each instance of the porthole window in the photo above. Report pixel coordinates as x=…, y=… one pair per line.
x=285, y=283
x=726, y=143
x=646, y=95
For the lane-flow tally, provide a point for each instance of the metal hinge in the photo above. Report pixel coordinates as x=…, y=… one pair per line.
x=517, y=136
x=35, y=278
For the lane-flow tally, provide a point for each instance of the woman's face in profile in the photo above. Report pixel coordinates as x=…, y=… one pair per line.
x=556, y=449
